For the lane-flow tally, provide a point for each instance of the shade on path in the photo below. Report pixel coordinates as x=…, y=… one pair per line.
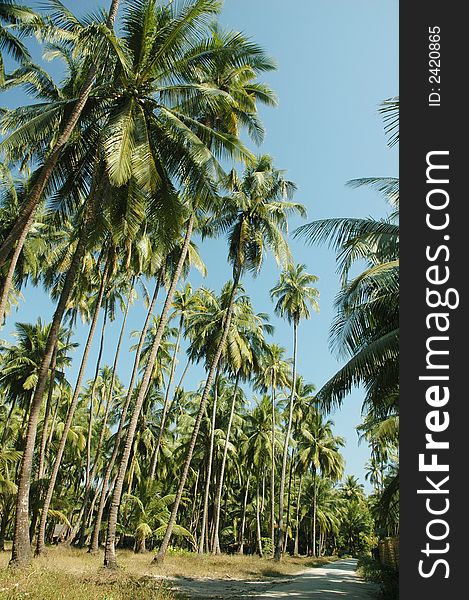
x=336, y=581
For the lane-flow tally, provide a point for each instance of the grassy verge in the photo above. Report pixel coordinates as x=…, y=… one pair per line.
x=388, y=579
x=70, y=574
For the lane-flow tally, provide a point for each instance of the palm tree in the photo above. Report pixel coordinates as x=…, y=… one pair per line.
x=257, y=451
x=71, y=411
x=202, y=137
x=94, y=545
x=305, y=402
x=366, y=329
x=250, y=329
x=274, y=373
x=255, y=218
x=319, y=450
x=294, y=294
x=20, y=229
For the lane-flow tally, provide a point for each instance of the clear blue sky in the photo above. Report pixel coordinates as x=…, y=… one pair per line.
x=337, y=60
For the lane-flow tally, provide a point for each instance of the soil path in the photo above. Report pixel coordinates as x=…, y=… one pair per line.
x=337, y=580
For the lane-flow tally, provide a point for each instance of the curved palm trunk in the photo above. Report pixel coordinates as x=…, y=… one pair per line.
x=209, y=468
x=40, y=544
x=166, y=403
x=21, y=227
x=243, y=518
x=110, y=552
x=195, y=432
x=279, y=545
x=109, y=402
x=216, y=540
x=21, y=550
x=94, y=545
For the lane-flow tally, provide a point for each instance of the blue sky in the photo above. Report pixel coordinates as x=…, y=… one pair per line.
x=337, y=60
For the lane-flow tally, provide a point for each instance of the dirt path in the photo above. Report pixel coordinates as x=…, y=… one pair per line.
x=337, y=580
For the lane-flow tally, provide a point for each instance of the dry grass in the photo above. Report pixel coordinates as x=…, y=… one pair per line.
x=70, y=574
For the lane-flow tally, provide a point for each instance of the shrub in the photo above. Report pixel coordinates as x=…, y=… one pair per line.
x=386, y=577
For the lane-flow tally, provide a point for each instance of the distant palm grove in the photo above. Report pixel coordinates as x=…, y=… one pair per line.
x=111, y=181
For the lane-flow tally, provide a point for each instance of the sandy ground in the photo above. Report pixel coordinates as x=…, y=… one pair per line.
x=338, y=580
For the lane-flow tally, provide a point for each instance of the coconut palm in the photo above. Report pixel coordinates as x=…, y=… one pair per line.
x=213, y=137
x=274, y=373
x=14, y=241
x=319, y=451
x=257, y=451
x=295, y=295
x=250, y=329
x=255, y=217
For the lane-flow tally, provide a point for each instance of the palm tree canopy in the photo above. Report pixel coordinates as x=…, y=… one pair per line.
x=295, y=294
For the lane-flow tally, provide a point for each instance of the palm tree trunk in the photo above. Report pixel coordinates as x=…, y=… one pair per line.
x=297, y=532
x=40, y=544
x=109, y=401
x=216, y=541
x=208, y=385
x=194, y=511
x=288, y=502
x=45, y=426
x=94, y=545
x=209, y=467
x=154, y=460
x=314, y=512
x=258, y=520
x=272, y=471
x=21, y=550
x=184, y=373
x=279, y=546
x=92, y=393
x=110, y=552
x=243, y=518
x=21, y=227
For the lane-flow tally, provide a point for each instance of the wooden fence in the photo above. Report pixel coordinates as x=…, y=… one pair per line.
x=389, y=552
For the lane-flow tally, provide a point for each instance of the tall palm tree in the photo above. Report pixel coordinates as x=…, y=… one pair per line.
x=192, y=127
x=255, y=217
x=257, y=451
x=274, y=373
x=305, y=402
x=71, y=411
x=250, y=329
x=294, y=294
x=319, y=450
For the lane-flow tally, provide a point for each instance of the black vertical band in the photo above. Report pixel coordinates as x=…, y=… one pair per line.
x=433, y=316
